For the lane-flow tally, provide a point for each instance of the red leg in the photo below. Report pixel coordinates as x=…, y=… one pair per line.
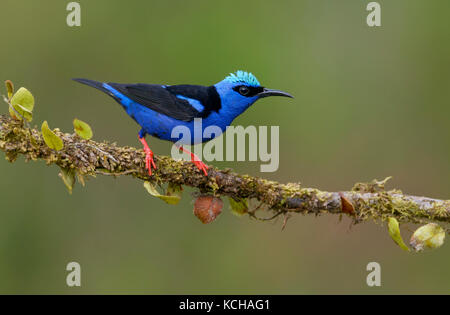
x=197, y=162
x=149, y=163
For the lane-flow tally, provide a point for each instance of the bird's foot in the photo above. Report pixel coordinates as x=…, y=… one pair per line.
x=201, y=166
x=197, y=162
x=149, y=162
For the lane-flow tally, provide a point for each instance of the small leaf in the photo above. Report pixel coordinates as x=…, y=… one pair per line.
x=9, y=88
x=394, y=232
x=82, y=129
x=24, y=109
x=239, y=207
x=68, y=177
x=51, y=139
x=172, y=200
x=429, y=236
x=23, y=103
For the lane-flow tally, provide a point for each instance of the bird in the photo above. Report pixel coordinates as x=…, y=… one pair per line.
x=159, y=108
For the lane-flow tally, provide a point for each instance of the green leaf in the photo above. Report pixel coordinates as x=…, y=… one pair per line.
x=23, y=103
x=170, y=199
x=51, y=139
x=239, y=207
x=23, y=109
x=68, y=177
x=429, y=236
x=9, y=88
x=394, y=232
x=82, y=129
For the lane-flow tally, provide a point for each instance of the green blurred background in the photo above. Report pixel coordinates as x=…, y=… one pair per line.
x=370, y=102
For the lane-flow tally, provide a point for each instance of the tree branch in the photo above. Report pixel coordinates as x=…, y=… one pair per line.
x=87, y=157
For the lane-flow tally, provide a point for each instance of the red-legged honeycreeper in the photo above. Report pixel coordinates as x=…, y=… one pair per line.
x=160, y=108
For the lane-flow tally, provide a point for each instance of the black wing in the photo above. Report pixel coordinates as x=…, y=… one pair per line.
x=206, y=95
x=159, y=99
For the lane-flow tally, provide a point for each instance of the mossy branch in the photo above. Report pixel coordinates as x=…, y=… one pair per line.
x=87, y=157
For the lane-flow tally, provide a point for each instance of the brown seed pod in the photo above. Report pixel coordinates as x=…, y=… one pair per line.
x=207, y=208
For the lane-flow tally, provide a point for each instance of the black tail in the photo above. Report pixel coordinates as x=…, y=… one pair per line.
x=99, y=86
x=95, y=84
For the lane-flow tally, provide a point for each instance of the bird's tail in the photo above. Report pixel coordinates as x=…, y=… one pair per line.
x=95, y=84
x=100, y=86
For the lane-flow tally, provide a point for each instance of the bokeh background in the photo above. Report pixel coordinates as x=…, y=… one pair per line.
x=370, y=103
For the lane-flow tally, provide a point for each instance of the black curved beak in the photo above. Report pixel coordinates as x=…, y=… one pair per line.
x=268, y=92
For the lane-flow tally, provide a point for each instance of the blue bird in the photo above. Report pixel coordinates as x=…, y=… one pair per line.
x=158, y=109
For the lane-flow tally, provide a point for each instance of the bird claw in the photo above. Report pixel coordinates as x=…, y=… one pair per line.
x=201, y=166
x=197, y=162
x=149, y=162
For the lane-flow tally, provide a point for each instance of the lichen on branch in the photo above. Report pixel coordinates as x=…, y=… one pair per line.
x=87, y=157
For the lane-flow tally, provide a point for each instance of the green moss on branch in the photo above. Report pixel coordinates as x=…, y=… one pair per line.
x=87, y=157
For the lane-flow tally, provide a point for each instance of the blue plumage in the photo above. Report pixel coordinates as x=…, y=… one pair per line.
x=158, y=109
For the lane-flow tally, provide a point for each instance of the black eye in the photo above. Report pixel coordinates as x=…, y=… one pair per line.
x=243, y=90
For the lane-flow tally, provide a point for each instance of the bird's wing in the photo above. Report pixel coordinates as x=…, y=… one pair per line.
x=159, y=99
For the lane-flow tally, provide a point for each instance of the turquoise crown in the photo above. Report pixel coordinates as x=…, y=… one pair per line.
x=243, y=77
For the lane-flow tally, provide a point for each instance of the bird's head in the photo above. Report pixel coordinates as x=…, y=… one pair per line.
x=241, y=89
